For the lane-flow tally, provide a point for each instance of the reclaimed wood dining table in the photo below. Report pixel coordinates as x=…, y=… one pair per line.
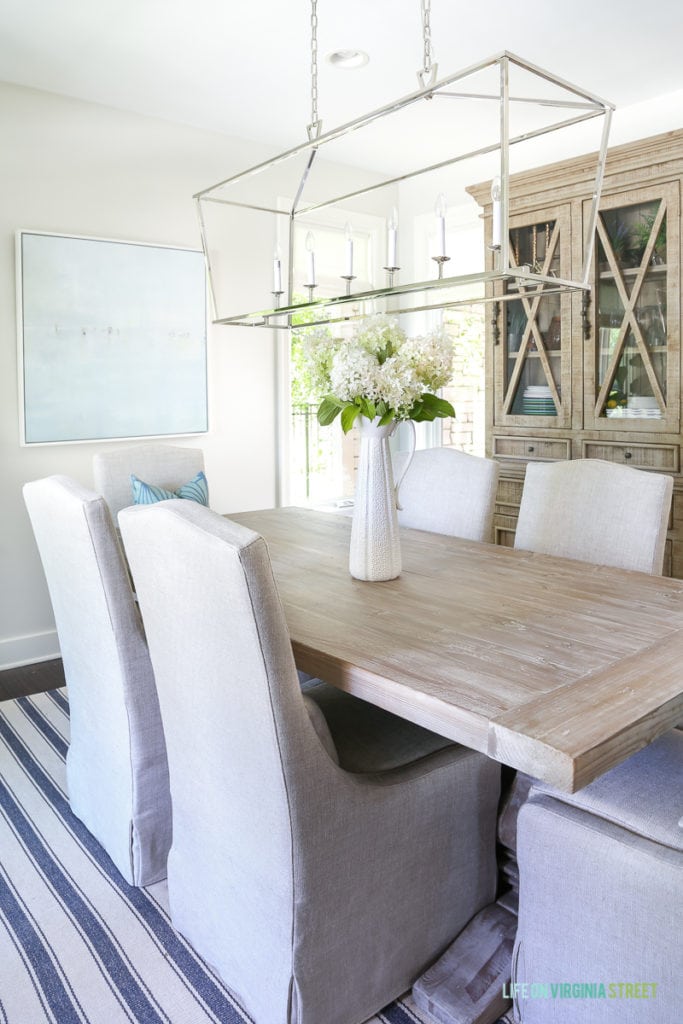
x=559, y=668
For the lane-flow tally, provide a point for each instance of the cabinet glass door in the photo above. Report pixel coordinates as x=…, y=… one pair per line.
x=533, y=384
x=633, y=354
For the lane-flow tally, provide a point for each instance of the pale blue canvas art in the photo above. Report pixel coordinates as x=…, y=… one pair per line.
x=113, y=339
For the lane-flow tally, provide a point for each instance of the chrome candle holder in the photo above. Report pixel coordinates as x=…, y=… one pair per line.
x=440, y=260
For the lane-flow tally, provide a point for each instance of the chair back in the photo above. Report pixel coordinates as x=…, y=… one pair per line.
x=284, y=872
x=449, y=491
x=596, y=511
x=117, y=772
x=240, y=745
x=163, y=465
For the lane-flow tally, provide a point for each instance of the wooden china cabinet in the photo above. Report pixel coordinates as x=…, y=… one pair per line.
x=570, y=376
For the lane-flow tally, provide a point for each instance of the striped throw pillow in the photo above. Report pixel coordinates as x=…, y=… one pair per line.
x=196, y=489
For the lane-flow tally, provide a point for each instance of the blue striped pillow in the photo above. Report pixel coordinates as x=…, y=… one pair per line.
x=196, y=489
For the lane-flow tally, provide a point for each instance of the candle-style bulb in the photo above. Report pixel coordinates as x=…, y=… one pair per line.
x=496, y=228
x=392, y=239
x=440, y=211
x=277, y=270
x=348, y=236
x=310, y=246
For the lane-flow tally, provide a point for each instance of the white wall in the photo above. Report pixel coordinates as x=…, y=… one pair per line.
x=80, y=168
x=69, y=166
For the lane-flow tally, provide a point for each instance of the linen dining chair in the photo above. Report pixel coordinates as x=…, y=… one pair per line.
x=318, y=890
x=448, y=491
x=601, y=894
x=161, y=465
x=596, y=511
x=595, y=850
x=116, y=768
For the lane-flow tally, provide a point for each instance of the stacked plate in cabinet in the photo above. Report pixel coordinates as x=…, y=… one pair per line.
x=537, y=401
x=638, y=408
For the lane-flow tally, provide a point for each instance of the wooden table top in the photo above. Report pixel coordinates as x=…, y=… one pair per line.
x=559, y=668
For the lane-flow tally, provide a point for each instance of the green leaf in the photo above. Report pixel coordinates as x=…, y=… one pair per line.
x=444, y=408
x=423, y=415
x=349, y=416
x=436, y=406
x=367, y=408
x=328, y=410
x=386, y=418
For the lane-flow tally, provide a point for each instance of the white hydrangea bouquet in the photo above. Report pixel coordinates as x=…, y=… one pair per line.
x=379, y=373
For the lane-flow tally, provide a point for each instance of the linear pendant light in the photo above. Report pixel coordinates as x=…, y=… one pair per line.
x=474, y=122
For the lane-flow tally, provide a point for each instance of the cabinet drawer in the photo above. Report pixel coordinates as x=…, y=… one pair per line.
x=509, y=493
x=531, y=448
x=663, y=457
x=668, y=566
x=677, y=507
x=504, y=530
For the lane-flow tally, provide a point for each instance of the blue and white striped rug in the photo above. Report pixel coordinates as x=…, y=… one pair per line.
x=77, y=943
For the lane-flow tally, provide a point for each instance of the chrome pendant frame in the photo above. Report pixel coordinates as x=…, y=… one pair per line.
x=441, y=292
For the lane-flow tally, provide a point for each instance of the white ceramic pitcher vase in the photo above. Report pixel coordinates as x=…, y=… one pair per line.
x=375, y=553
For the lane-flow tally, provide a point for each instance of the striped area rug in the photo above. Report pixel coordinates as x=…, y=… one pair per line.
x=77, y=943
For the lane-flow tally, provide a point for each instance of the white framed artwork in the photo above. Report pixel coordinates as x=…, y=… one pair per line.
x=112, y=339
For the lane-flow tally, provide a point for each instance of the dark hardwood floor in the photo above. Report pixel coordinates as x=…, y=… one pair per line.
x=20, y=682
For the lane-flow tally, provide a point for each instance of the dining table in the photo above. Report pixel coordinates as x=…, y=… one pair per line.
x=561, y=669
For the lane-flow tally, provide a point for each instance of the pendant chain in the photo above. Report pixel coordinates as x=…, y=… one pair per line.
x=314, y=128
x=426, y=9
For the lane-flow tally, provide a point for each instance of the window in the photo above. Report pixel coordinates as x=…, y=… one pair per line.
x=467, y=431
x=319, y=462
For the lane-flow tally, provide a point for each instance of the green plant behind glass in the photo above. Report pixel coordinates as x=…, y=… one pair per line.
x=642, y=231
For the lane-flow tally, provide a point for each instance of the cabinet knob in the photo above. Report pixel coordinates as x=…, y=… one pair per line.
x=628, y=455
x=531, y=448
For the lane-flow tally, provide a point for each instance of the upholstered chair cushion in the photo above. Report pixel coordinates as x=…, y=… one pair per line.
x=117, y=773
x=163, y=465
x=319, y=723
x=318, y=894
x=596, y=511
x=637, y=794
x=601, y=892
x=448, y=491
x=367, y=738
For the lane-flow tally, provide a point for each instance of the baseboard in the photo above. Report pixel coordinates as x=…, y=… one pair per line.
x=16, y=651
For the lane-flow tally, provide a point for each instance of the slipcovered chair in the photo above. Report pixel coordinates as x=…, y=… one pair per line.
x=116, y=768
x=595, y=511
x=601, y=895
x=448, y=491
x=598, y=512
x=319, y=893
x=163, y=465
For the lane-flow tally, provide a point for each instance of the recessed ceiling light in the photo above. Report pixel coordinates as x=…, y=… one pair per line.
x=348, y=59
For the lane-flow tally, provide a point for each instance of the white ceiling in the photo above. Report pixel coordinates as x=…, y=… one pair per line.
x=243, y=68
